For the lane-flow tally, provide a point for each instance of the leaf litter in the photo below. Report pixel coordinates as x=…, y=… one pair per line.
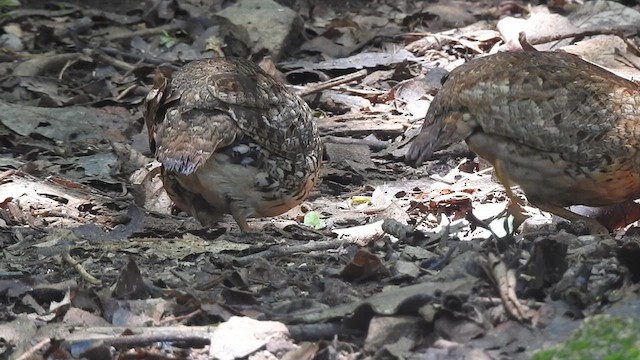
x=382, y=261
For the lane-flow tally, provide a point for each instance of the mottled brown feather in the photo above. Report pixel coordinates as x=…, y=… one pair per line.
x=218, y=118
x=567, y=131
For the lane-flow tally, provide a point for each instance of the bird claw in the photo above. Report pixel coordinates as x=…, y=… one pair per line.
x=594, y=227
x=515, y=209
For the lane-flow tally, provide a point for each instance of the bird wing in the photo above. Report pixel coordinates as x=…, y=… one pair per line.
x=261, y=107
x=209, y=104
x=182, y=133
x=512, y=95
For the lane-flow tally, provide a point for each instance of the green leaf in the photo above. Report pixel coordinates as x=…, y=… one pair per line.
x=9, y=3
x=600, y=337
x=166, y=40
x=312, y=219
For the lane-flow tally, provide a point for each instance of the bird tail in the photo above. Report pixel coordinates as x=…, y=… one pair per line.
x=436, y=133
x=155, y=103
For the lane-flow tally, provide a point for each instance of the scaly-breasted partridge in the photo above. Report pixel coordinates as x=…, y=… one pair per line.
x=565, y=130
x=231, y=140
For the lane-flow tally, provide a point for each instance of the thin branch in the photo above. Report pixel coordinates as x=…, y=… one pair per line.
x=331, y=83
x=178, y=25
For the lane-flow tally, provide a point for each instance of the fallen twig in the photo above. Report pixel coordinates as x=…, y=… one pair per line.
x=146, y=32
x=76, y=265
x=276, y=251
x=373, y=144
x=331, y=83
x=35, y=348
x=190, y=336
x=505, y=281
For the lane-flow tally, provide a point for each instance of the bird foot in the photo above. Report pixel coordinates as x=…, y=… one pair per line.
x=593, y=227
x=515, y=209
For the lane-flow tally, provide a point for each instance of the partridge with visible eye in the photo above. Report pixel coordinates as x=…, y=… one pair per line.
x=565, y=130
x=231, y=140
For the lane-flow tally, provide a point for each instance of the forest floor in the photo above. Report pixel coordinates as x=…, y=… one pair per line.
x=383, y=261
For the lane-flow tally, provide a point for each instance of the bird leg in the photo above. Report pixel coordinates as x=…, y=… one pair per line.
x=515, y=204
x=248, y=233
x=515, y=207
x=595, y=228
x=238, y=215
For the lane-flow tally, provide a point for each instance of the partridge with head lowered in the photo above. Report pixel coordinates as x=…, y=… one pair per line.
x=565, y=130
x=231, y=140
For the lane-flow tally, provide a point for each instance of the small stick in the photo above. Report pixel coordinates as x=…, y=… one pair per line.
x=146, y=32
x=331, y=83
x=76, y=265
x=27, y=354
